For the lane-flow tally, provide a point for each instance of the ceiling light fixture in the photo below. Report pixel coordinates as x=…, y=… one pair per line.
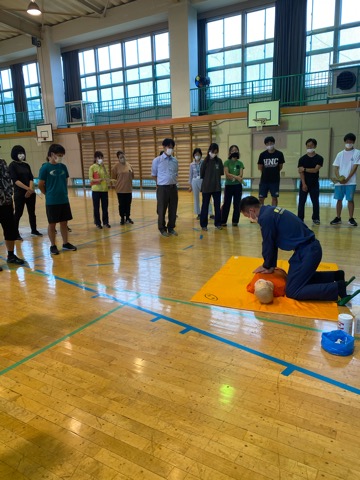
x=33, y=8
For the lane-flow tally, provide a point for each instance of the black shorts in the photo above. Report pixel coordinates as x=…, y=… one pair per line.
x=7, y=221
x=265, y=187
x=58, y=213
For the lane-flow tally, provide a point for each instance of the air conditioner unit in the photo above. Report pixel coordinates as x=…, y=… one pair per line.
x=344, y=82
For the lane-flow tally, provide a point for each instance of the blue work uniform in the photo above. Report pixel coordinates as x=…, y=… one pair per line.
x=282, y=229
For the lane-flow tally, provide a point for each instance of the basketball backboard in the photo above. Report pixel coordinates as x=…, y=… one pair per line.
x=263, y=113
x=44, y=132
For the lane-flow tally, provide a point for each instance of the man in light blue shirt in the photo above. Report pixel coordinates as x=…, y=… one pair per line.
x=165, y=170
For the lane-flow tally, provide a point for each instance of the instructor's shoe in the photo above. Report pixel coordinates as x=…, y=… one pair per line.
x=336, y=221
x=344, y=300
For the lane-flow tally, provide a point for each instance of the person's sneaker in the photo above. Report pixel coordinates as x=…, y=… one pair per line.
x=235, y=224
x=99, y=227
x=122, y=222
x=212, y=217
x=173, y=232
x=204, y=229
x=54, y=250
x=69, y=246
x=164, y=233
x=19, y=237
x=316, y=222
x=129, y=220
x=16, y=260
x=107, y=225
x=36, y=233
x=352, y=222
x=69, y=229
x=218, y=227
x=224, y=224
x=1, y=269
x=336, y=221
x=198, y=217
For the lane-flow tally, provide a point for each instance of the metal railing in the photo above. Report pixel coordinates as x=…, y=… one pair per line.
x=294, y=90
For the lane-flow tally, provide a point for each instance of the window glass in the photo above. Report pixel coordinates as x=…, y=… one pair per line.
x=163, y=86
x=350, y=11
x=352, y=55
x=144, y=50
x=103, y=58
x=90, y=82
x=6, y=82
x=146, y=88
x=131, y=54
x=133, y=90
x=318, y=63
x=215, y=34
x=162, y=69
x=269, y=50
x=117, y=77
x=88, y=61
x=215, y=60
x=216, y=78
x=118, y=92
x=106, y=94
x=161, y=46
x=349, y=36
x=90, y=96
x=232, y=56
x=132, y=74
x=105, y=79
x=270, y=23
x=145, y=72
x=255, y=53
x=115, y=55
x=232, y=75
x=319, y=41
x=255, y=26
x=320, y=15
x=232, y=31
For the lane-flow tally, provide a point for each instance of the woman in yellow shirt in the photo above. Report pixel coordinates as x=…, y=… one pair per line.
x=99, y=178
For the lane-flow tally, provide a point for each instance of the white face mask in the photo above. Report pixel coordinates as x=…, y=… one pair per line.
x=122, y=159
x=21, y=157
x=270, y=147
x=58, y=159
x=169, y=151
x=212, y=155
x=99, y=161
x=252, y=219
x=197, y=157
x=310, y=150
x=349, y=145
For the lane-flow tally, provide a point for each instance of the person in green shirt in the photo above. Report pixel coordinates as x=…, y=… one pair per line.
x=233, y=170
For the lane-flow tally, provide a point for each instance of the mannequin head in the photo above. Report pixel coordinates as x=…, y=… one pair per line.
x=264, y=291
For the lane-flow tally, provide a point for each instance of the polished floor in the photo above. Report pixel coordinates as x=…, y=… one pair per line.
x=109, y=372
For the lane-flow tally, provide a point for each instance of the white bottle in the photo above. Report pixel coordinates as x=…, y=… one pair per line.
x=357, y=325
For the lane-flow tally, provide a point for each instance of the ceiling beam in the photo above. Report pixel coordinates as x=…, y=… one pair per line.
x=88, y=4
x=20, y=24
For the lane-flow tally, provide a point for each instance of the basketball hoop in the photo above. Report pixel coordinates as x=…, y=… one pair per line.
x=260, y=122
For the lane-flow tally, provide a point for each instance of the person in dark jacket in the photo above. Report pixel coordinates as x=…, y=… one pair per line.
x=282, y=229
x=24, y=192
x=211, y=171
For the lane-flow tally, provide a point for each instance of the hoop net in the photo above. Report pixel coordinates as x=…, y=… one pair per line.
x=260, y=122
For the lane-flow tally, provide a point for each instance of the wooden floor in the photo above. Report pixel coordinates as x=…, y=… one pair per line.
x=109, y=372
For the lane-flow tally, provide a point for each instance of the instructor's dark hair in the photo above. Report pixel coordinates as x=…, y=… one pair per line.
x=248, y=202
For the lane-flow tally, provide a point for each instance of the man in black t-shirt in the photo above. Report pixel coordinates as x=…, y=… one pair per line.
x=270, y=164
x=308, y=167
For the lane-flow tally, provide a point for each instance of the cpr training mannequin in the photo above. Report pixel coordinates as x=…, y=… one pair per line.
x=266, y=286
x=264, y=291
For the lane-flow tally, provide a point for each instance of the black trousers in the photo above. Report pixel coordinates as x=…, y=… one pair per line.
x=124, y=200
x=103, y=198
x=314, y=192
x=231, y=192
x=167, y=199
x=20, y=201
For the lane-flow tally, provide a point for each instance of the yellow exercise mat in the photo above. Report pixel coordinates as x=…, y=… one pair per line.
x=228, y=289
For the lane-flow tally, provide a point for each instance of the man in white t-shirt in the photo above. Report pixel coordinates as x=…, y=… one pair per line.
x=346, y=164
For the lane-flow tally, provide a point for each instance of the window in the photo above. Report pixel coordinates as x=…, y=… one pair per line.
x=7, y=107
x=33, y=91
x=333, y=34
x=239, y=48
x=114, y=75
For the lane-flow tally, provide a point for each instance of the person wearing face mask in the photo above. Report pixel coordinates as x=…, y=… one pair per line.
x=211, y=172
x=195, y=182
x=7, y=219
x=24, y=192
x=280, y=228
x=123, y=174
x=99, y=178
x=308, y=168
x=164, y=169
x=53, y=177
x=346, y=164
x=233, y=169
x=270, y=164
